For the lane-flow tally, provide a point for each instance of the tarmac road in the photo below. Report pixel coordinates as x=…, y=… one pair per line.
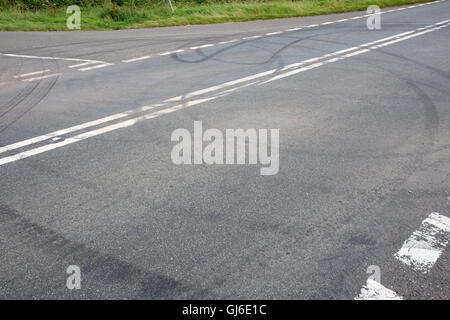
x=364, y=160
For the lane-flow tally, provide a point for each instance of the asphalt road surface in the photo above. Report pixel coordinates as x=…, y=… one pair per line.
x=360, y=205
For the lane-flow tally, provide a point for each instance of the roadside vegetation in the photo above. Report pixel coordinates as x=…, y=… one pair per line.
x=47, y=15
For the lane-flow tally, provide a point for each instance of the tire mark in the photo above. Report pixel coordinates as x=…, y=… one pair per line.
x=27, y=99
x=126, y=279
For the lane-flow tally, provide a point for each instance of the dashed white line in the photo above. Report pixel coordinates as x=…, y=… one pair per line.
x=374, y=290
x=251, y=37
x=202, y=46
x=422, y=249
x=136, y=59
x=47, y=58
x=229, y=41
x=95, y=67
x=273, y=33
x=293, y=29
x=170, y=52
x=31, y=73
x=80, y=64
x=42, y=77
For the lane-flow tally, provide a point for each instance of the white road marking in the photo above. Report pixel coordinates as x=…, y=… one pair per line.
x=31, y=73
x=277, y=32
x=422, y=249
x=79, y=127
x=228, y=41
x=96, y=67
x=374, y=290
x=48, y=58
x=273, y=33
x=80, y=64
x=42, y=77
x=221, y=86
x=396, y=38
x=170, y=52
x=109, y=128
x=136, y=59
x=56, y=139
x=202, y=46
x=251, y=37
x=294, y=29
x=120, y=125
x=93, y=133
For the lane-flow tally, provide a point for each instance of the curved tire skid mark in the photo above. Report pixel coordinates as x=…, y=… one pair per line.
x=28, y=98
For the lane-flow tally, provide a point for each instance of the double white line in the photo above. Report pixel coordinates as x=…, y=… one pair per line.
x=220, y=90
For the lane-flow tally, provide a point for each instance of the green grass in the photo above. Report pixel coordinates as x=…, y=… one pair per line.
x=157, y=14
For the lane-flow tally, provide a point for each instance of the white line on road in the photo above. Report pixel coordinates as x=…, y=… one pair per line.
x=251, y=37
x=79, y=127
x=96, y=67
x=293, y=29
x=273, y=33
x=397, y=38
x=170, y=52
x=220, y=86
x=42, y=77
x=198, y=92
x=104, y=64
x=229, y=41
x=31, y=73
x=202, y=46
x=120, y=125
x=374, y=290
x=137, y=59
x=422, y=249
x=47, y=58
x=93, y=133
x=80, y=64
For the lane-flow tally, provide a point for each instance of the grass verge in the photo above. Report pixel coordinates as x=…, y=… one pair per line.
x=158, y=14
